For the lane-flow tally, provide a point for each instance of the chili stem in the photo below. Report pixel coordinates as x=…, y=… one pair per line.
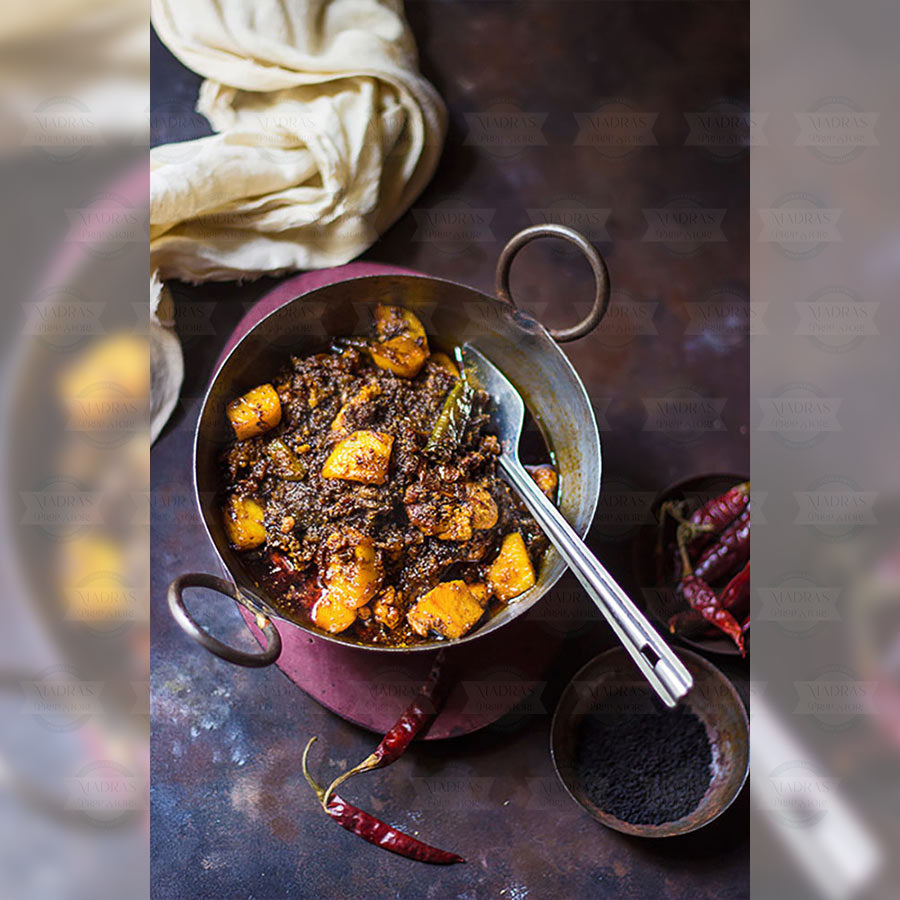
x=319, y=790
x=369, y=763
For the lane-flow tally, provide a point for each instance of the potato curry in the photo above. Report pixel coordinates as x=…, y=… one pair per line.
x=362, y=488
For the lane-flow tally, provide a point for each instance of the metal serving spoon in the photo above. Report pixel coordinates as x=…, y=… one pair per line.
x=662, y=668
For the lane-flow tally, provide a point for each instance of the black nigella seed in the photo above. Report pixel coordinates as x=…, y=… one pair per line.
x=642, y=762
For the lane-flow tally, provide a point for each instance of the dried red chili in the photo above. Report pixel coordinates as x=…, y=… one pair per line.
x=711, y=517
x=731, y=550
x=420, y=713
x=736, y=594
x=734, y=598
x=702, y=598
x=373, y=830
x=717, y=514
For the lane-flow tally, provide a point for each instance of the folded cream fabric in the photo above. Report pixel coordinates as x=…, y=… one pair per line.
x=326, y=132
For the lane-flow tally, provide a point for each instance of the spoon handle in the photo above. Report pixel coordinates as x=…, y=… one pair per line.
x=662, y=668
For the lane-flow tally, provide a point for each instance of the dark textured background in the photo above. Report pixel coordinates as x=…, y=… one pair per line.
x=231, y=815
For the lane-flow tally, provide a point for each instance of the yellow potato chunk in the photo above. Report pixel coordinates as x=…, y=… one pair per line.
x=391, y=321
x=365, y=394
x=399, y=355
x=511, y=573
x=402, y=346
x=254, y=413
x=352, y=573
x=545, y=478
x=107, y=380
x=363, y=457
x=244, y=522
x=450, y=609
x=329, y=614
x=447, y=364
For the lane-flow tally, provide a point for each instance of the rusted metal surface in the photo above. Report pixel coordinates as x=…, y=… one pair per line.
x=231, y=813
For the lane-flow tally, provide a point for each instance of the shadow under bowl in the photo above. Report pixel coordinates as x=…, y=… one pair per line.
x=713, y=700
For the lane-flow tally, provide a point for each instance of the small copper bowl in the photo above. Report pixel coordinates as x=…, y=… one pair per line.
x=713, y=700
x=657, y=585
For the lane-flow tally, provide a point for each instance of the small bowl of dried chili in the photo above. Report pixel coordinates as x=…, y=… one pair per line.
x=692, y=562
x=641, y=768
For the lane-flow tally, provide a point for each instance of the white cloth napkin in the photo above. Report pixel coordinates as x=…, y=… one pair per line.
x=326, y=132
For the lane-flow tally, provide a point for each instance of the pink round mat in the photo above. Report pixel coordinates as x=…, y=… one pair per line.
x=496, y=675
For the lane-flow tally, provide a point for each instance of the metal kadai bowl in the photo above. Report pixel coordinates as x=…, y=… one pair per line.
x=452, y=314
